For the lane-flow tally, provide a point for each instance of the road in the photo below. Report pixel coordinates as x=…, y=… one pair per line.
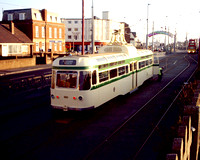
x=31, y=130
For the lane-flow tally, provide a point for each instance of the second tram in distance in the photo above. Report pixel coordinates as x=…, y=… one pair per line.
x=87, y=81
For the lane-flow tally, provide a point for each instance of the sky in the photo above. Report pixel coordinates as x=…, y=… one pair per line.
x=182, y=17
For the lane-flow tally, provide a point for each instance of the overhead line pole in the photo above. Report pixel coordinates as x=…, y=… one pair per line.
x=83, y=28
x=93, y=43
x=147, y=26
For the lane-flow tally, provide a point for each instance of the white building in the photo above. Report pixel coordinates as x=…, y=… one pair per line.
x=103, y=29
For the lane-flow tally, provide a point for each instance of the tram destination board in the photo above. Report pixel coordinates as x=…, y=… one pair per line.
x=67, y=62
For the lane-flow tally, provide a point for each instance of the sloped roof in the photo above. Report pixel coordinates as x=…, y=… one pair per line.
x=7, y=37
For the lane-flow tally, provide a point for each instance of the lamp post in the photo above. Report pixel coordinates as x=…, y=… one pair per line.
x=83, y=28
x=166, y=35
x=92, y=28
x=147, y=26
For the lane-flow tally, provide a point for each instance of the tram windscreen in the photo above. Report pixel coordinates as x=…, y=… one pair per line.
x=85, y=80
x=67, y=79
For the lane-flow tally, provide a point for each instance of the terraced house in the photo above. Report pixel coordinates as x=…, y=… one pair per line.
x=42, y=27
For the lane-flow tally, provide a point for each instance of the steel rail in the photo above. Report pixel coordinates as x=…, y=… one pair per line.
x=167, y=108
x=133, y=115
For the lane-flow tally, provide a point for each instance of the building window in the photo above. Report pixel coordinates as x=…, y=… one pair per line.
x=69, y=22
x=75, y=37
x=69, y=37
x=60, y=46
x=50, y=46
x=24, y=49
x=14, y=49
x=37, y=47
x=43, y=32
x=10, y=17
x=76, y=22
x=75, y=29
x=60, y=33
x=50, y=32
x=36, y=31
x=22, y=16
x=69, y=29
x=43, y=46
x=37, y=16
x=56, y=19
x=55, y=32
x=55, y=46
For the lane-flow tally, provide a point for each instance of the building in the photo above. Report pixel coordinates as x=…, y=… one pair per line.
x=103, y=29
x=14, y=42
x=133, y=38
x=44, y=28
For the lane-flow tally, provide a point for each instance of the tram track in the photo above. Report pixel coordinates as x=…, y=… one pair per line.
x=69, y=140
x=108, y=140
x=156, y=126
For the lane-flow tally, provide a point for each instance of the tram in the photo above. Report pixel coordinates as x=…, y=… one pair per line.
x=81, y=82
x=192, y=47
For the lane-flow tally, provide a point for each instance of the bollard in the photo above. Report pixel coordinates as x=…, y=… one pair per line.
x=187, y=122
x=172, y=156
x=193, y=111
x=178, y=147
x=182, y=133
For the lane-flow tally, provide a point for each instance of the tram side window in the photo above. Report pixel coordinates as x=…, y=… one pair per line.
x=67, y=79
x=127, y=69
x=94, y=77
x=150, y=61
x=142, y=64
x=121, y=70
x=131, y=67
x=85, y=80
x=103, y=76
x=113, y=73
x=147, y=62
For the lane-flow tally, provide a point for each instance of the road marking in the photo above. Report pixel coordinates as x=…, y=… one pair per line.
x=175, y=62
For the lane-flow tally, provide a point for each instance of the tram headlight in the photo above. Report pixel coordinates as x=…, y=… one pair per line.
x=52, y=96
x=80, y=98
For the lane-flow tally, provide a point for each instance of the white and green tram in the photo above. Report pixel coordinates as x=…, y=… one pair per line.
x=87, y=81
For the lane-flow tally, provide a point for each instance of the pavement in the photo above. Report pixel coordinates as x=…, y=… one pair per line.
x=24, y=69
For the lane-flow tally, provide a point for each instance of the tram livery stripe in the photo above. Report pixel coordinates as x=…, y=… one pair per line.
x=118, y=78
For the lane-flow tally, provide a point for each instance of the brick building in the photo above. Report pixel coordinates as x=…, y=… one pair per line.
x=42, y=27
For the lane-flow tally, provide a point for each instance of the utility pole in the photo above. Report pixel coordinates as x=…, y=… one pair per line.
x=152, y=36
x=175, y=41
x=92, y=28
x=147, y=26
x=83, y=28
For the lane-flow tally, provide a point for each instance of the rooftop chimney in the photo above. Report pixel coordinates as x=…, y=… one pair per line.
x=44, y=14
x=12, y=27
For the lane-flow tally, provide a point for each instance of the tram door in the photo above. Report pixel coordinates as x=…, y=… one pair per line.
x=134, y=75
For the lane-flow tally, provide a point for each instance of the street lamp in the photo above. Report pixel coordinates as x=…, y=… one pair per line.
x=83, y=28
x=93, y=43
x=147, y=25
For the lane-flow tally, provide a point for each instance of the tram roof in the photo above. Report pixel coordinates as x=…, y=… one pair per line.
x=107, y=54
